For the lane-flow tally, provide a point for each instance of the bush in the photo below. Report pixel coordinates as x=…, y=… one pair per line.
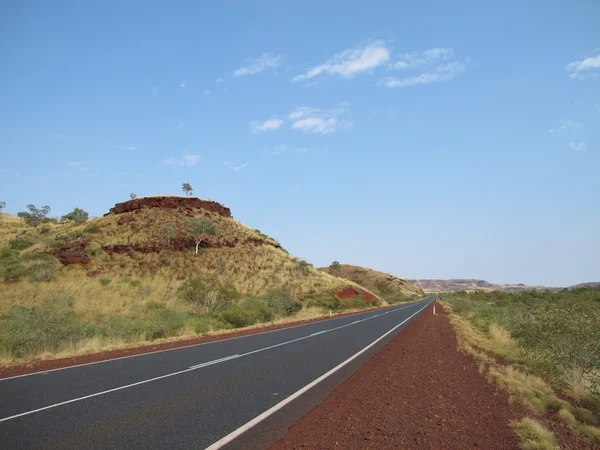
x=163, y=322
x=104, y=281
x=259, y=307
x=94, y=228
x=207, y=294
x=20, y=243
x=42, y=271
x=78, y=215
x=283, y=303
x=238, y=317
x=29, y=331
x=207, y=324
x=11, y=264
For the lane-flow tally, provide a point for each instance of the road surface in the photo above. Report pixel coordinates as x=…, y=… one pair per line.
x=241, y=392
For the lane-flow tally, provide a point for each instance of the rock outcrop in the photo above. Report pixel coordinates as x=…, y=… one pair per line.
x=73, y=253
x=189, y=203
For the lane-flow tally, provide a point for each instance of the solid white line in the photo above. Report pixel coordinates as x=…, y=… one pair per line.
x=236, y=433
x=198, y=366
x=187, y=346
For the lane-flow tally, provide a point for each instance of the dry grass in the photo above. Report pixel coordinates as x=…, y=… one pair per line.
x=491, y=349
x=379, y=282
x=533, y=435
x=253, y=264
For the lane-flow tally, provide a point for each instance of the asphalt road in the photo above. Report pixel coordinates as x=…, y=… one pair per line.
x=194, y=397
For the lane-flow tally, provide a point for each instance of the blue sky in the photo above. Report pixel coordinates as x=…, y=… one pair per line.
x=430, y=140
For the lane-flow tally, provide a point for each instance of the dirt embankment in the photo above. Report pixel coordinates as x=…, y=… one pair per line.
x=417, y=392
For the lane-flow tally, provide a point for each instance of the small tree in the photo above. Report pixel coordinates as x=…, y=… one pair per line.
x=35, y=216
x=132, y=196
x=78, y=216
x=200, y=229
x=335, y=267
x=2, y=206
x=170, y=231
x=206, y=294
x=187, y=188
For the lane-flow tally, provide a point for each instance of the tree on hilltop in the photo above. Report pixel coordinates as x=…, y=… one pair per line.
x=200, y=229
x=187, y=188
x=132, y=196
x=78, y=216
x=2, y=206
x=335, y=267
x=35, y=216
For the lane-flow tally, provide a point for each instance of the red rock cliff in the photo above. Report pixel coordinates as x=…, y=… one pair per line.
x=190, y=203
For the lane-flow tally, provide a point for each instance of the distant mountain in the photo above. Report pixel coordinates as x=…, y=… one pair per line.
x=585, y=285
x=473, y=285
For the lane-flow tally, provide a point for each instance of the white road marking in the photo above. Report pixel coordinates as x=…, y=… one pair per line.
x=196, y=367
x=43, y=372
x=236, y=433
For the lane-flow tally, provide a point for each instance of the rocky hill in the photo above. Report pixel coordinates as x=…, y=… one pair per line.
x=116, y=263
x=471, y=285
x=381, y=283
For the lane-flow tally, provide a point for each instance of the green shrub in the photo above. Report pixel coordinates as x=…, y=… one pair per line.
x=135, y=283
x=283, y=303
x=259, y=307
x=93, y=228
x=207, y=324
x=42, y=271
x=20, y=243
x=104, y=281
x=10, y=263
x=238, y=317
x=152, y=305
x=327, y=302
x=121, y=328
x=163, y=322
x=49, y=327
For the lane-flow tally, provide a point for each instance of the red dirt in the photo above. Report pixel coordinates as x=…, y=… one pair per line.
x=190, y=203
x=350, y=292
x=417, y=392
x=41, y=366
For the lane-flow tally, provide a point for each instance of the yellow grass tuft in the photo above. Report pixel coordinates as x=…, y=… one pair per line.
x=533, y=435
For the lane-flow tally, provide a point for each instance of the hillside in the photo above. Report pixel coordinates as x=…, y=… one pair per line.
x=383, y=284
x=129, y=265
x=472, y=285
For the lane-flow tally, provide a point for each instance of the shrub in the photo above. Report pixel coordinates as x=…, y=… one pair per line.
x=163, y=322
x=42, y=271
x=20, y=243
x=238, y=317
x=207, y=294
x=94, y=228
x=207, y=324
x=11, y=264
x=49, y=327
x=78, y=215
x=259, y=307
x=104, y=281
x=283, y=303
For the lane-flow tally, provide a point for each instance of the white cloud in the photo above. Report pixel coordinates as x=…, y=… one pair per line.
x=234, y=166
x=183, y=84
x=581, y=69
x=83, y=169
x=436, y=74
x=187, y=159
x=74, y=163
x=350, y=62
x=566, y=126
x=578, y=146
x=206, y=92
x=316, y=125
x=279, y=149
x=258, y=65
x=316, y=120
x=219, y=80
x=129, y=148
x=424, y=58
x=267, y=125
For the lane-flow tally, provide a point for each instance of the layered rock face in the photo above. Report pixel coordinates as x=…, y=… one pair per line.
x=189, y=203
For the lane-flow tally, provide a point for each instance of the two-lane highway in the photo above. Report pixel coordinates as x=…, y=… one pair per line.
x=240, y=392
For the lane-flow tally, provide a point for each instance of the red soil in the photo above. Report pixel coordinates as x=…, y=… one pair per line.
x=417, y=392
